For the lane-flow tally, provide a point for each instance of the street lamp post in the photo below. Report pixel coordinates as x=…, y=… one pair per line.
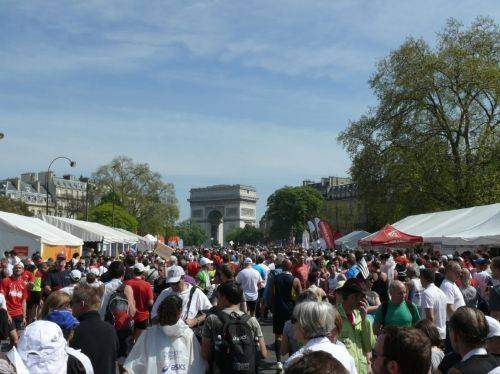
x=71, y=163
x=87, y=189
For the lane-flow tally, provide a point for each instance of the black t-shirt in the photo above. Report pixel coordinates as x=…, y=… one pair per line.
x=98, y=340
x=57, y=279
x=381, y=288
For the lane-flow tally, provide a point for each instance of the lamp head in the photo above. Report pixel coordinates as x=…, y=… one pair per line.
x=2, y=135
x=72, y=164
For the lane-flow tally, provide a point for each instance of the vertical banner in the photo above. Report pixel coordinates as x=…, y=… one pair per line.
x=326, y=233
x=305, y=240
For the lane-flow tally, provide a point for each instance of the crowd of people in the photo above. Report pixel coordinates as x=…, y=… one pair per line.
x=201, y=309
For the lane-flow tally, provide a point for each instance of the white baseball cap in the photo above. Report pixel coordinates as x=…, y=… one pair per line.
x=95, y=271
x=140, y=267
x=205, y=261
x=493, y=327
x=174, y=274
x=248, y=261
x=76, y=275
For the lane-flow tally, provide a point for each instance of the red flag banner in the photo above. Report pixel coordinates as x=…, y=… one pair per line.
x=326, y=233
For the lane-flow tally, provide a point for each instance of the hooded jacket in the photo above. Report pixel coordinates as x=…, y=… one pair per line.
x=163, y=349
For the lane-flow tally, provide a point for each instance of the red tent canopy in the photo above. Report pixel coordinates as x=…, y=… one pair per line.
x=389, y=236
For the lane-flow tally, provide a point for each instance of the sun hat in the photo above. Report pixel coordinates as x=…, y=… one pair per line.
x=42, y=348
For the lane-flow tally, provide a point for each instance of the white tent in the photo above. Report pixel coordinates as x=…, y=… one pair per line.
x=142, y=242
x=350, y=241
x=479, y=225
x=151, y=238
x=112, y=240
x=27, y=235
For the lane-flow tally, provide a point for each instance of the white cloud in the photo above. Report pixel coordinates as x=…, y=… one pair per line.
x=303, y=38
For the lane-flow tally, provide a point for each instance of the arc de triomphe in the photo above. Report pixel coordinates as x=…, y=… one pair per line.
x=219, y=209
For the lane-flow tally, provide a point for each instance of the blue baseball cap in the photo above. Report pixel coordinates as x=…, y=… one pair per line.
x=481, y=261
x=63, y=318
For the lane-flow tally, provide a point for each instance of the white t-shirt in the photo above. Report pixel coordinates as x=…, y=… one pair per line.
x=482, y=278
x=433, y=298
x=324, y=344
x=199, y=302
x=3, y=305
x=166, y=349
x=453, y=295
x=417, y=291
x=249, y=279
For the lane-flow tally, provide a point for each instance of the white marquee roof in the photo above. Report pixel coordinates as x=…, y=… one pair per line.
x=479, y=225
x=34, y=227
x=90, y=231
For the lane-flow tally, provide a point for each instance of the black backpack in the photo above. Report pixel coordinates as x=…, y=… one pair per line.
x=235, y=348
x=117, y=311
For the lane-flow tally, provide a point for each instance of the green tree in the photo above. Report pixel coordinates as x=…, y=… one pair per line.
x=14, y=206
x=191, y=233
x=289, y=208
x=246, y=235
x=140, y=191
x=433, y=140
x=103, y=213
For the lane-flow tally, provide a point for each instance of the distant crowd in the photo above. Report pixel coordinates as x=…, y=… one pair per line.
x=201, y=310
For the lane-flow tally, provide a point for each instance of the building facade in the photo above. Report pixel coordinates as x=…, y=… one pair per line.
x=222, y=208
x=341, y=208
x=67, y=195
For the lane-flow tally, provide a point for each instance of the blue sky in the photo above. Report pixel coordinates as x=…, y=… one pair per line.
x=206, y=92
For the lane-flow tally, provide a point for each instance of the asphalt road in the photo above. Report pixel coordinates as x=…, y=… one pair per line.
x=269, y=365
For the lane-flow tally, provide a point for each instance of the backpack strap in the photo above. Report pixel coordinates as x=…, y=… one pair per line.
x=150, y=274
x=412, y=310
x=385, y=308
x=191, y=293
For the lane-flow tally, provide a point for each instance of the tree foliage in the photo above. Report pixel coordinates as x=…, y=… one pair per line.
x=246, y=235
x=289, y=208
x=14, y=206
x=433, y=140
x=190, y=232
x=140, y=191
x=103, y=213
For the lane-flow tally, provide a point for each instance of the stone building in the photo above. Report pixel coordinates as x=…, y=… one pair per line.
x=221, y=208
x=67, y=194
x=342, y=207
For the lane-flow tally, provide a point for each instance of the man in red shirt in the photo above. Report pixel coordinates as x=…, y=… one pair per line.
x=15, y=290
x=143, y=296
x=301, y=271
x=193, y=267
